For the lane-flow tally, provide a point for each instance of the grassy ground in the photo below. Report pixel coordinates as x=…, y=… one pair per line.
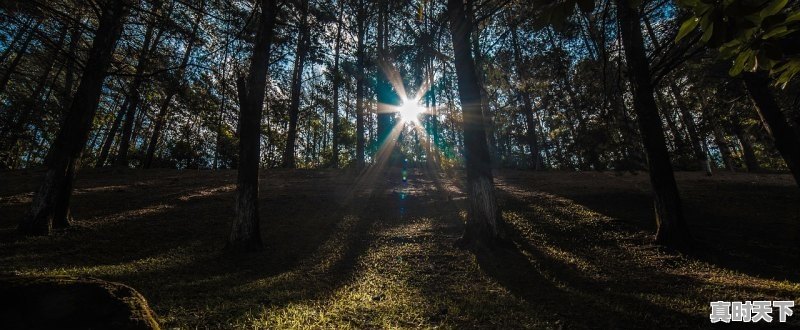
x=380, y=254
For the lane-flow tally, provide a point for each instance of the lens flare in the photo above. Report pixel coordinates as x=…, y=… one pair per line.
x=410, y=111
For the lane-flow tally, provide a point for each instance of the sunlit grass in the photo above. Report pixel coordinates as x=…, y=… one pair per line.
x=367, y=265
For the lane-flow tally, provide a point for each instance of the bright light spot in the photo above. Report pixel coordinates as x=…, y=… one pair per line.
x=410, y=111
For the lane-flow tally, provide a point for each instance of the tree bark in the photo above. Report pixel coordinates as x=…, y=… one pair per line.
x=787, y=143
x=50, y=206
x=246, y=233
x=672, y=230
x=484, y=226
x=303, y=42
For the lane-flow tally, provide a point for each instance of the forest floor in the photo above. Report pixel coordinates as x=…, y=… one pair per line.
x=377, y=252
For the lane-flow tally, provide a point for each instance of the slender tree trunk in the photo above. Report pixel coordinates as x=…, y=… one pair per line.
x=303, y=41
x=787, y=143
x=112, y=132
x=361, y=31
x=383, y=89
x=161, y=117
x=484, y=226
x=749, y=155
x=148, y=46
x=724, y=148
x=245, y=232
x=678, y=144
x=50, y=206
x=672, y=229
x=69, y=77
x=336, y=82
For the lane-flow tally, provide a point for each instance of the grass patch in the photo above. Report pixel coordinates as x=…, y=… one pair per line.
x=339, y=258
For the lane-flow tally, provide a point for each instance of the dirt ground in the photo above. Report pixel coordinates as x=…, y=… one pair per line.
x=373, y=251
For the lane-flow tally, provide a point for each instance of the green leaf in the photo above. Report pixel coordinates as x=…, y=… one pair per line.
x=773, y=8
x=739, y=63
x=787, y=72
x=776, y=33
x=709, y=31
x=727, y=50
x=687, y=27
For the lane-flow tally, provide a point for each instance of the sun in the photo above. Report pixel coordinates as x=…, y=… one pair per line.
x=410, y=111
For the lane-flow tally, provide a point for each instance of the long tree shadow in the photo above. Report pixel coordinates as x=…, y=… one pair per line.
x=742, y=222
x=172, y=253
x=567, y=254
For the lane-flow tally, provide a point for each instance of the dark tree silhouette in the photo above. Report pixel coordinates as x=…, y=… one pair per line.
x=303, y=44
x=786, y=141
x=50, y=207
x=246, y=233
x=484, y=225
x=672, y=230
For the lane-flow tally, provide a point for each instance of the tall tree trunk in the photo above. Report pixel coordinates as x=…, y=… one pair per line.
x=361, y=31
x=383, y=89
x=484, y=226
x=245, y=232
x=161, y=117
x=50, y=206
x=72, y=51
x=134, y=95
x=787, y=143
x=336, y=82
x=672, y=229
x=488, y=117
x=303, y=42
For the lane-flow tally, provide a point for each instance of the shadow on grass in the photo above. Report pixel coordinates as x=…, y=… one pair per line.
x=166, y=241
x=569, y=264
x=740, y=223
